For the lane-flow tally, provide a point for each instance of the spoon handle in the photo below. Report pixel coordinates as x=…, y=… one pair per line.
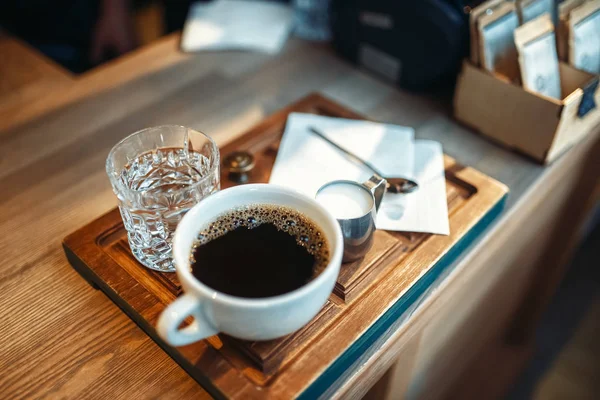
x=354, y=157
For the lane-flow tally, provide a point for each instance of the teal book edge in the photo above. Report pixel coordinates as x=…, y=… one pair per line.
x=339, y=366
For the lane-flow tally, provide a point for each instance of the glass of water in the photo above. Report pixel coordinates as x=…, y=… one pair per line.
x=158, y=174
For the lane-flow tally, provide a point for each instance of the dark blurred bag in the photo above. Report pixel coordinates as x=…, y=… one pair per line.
x=416, y=44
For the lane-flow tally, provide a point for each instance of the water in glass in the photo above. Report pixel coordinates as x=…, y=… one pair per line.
x=155, y=189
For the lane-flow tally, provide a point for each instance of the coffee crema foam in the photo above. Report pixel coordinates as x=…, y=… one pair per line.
x=306, y=232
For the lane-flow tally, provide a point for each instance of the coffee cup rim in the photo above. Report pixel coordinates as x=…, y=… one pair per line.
x=181, y=256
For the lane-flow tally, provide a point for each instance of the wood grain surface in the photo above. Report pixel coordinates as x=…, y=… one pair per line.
x=61, y=338
x=25, y=77
x=23, y=67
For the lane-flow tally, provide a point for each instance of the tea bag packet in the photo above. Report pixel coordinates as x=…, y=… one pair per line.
x=531, y=9
x=497, y=47
x=584, y=37
x=537, y=57
x=485, y=8
x=562, y=27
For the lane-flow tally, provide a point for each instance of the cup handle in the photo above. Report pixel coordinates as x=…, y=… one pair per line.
x=170, y=319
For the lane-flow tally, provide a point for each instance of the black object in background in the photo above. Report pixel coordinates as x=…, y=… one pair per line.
x=61, y=29
x=415, y=44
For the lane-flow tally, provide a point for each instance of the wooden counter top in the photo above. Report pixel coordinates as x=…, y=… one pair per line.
x=61, y=338
x=26, y=76
x=55, y=87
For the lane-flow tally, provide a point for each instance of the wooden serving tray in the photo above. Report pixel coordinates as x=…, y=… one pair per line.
x=396, y=271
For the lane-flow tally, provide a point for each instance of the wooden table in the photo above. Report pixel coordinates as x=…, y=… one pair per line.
x=61, y=338
x=25, y=76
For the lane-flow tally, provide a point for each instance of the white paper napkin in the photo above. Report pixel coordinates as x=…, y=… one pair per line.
x=305, y=162
x=237, y=25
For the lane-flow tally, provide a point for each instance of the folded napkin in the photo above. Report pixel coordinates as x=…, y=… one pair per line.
x=305, y=162
x=237, y=25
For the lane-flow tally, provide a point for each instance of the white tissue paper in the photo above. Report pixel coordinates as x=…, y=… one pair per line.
x=237, y=25
x=305, y=162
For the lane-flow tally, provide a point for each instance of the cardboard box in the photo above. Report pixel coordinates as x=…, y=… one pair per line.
x=539, y=126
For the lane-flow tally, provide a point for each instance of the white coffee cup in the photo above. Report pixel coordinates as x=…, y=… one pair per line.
x=245, y=318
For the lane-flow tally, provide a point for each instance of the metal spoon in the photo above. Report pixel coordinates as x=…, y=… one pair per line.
x=394, y=184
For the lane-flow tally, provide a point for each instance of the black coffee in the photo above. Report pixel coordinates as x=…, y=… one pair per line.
x=259, y=251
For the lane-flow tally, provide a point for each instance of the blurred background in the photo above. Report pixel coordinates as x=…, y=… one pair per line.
x=81, y=34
